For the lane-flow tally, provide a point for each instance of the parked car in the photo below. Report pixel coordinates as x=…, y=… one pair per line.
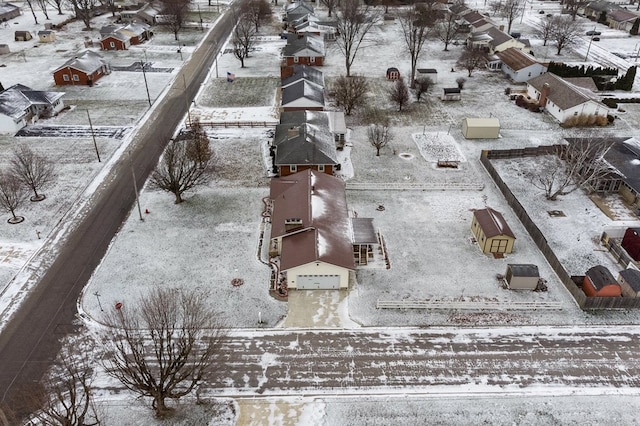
x=596, y=39
x=593, y=33
x=541, y=12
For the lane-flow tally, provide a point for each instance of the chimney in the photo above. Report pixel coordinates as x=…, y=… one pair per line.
x=286, y=71
x=293, y=132
x=544, y=93
x=292, y=224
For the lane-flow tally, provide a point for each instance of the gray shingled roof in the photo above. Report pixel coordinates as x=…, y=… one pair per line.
x=315, y=44
x=304, y=72
x=305, y=143
x=632, y=277
x=87, y=62
x=302, y=90
x=15, y=100
x=563, y=93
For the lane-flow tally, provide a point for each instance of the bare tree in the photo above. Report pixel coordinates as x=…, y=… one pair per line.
x=331, y=5
x=258, y=12
x=84, y=10
x=175, y=12
x=580, y=164
x=472, y=58
x=65, y=395
x=565, y=32
x=12, y=195
x=33, y=12
x=379, y=136
x=399, y=94
x=509, y=9
x=354, y=23
x=350, y=92
x=243, y=38
x=546, y=30
x=184, y=165
x=164, y=347
x=414, y=31
x=572, y=6
x=33, y=170
x=199, y=150
x=423, y=85
x=446, y=30
x=57, y=4
x=42, y=4
x=460, y=81
x=110, y=5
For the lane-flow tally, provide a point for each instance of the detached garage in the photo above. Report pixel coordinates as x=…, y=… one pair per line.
x=481, y=128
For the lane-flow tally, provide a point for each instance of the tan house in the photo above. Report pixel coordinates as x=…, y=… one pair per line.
x=491, y=232
x=311, y=231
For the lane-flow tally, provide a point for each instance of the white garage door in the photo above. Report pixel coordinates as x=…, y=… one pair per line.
x=318, y=282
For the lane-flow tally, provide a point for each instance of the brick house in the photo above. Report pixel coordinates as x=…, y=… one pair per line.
x=85, y=69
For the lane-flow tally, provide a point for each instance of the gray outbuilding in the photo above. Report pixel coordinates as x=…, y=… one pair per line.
x=522, y=276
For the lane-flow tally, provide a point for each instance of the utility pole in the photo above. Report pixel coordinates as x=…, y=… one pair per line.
x=186, y=99
x=93, y=135
x=144, y=75
x=135, y=186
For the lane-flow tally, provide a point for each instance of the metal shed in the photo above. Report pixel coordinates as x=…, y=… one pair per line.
x=522, y=276
x=481, y=128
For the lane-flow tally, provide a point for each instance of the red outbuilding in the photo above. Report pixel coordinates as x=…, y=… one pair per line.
x=599, y=282
x=631, y=242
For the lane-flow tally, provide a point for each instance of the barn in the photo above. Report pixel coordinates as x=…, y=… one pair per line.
x=521, y=276
x=491, y=232
x=631, y=242
x=599, y=282
x=629, y=280
x=481, y=128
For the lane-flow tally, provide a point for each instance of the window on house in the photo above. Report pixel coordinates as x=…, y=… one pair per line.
x=112, y=44
x=575, y=113
x=65, y=77
x=295, y=59
x=321, y=168
x=76, y=77
x=294, y=168
x=313, y=59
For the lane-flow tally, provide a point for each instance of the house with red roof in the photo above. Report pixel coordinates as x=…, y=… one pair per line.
x=311, y=232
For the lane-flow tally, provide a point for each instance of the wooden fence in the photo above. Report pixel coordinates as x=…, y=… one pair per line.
x=235, y=124
x=392, y=186
x=468, y=305
x=538, y=237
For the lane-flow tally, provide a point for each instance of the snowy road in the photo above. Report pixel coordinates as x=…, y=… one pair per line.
x=391, y=360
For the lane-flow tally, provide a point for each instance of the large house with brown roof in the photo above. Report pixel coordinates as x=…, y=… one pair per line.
x=520, y=66
x=311, y=232
x=491, y=232
x=563, y=99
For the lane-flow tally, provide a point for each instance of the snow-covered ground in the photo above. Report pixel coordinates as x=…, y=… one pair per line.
x=213, y=237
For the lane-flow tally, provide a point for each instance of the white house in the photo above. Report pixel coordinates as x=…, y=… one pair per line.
x=520, y=66
x=563, y=99
x=311, y=232
x=20, y=105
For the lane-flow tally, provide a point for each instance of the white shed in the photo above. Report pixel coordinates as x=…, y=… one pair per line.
x=522, y=276
x=481, y=128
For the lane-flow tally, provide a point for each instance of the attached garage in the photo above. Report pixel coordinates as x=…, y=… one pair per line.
x=318, y=282
x=317, y=276
x=481, y=128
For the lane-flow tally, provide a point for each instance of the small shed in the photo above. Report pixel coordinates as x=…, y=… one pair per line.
x=432, y=73
x=21, y=35
x=631, y=242
x=599, y=282
x=451, y=94
x=481, y=128
x=393, y=73
x=520, y=276
x=492, y=233
x=46, y=36
x=4, y=49
x=629, y=280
